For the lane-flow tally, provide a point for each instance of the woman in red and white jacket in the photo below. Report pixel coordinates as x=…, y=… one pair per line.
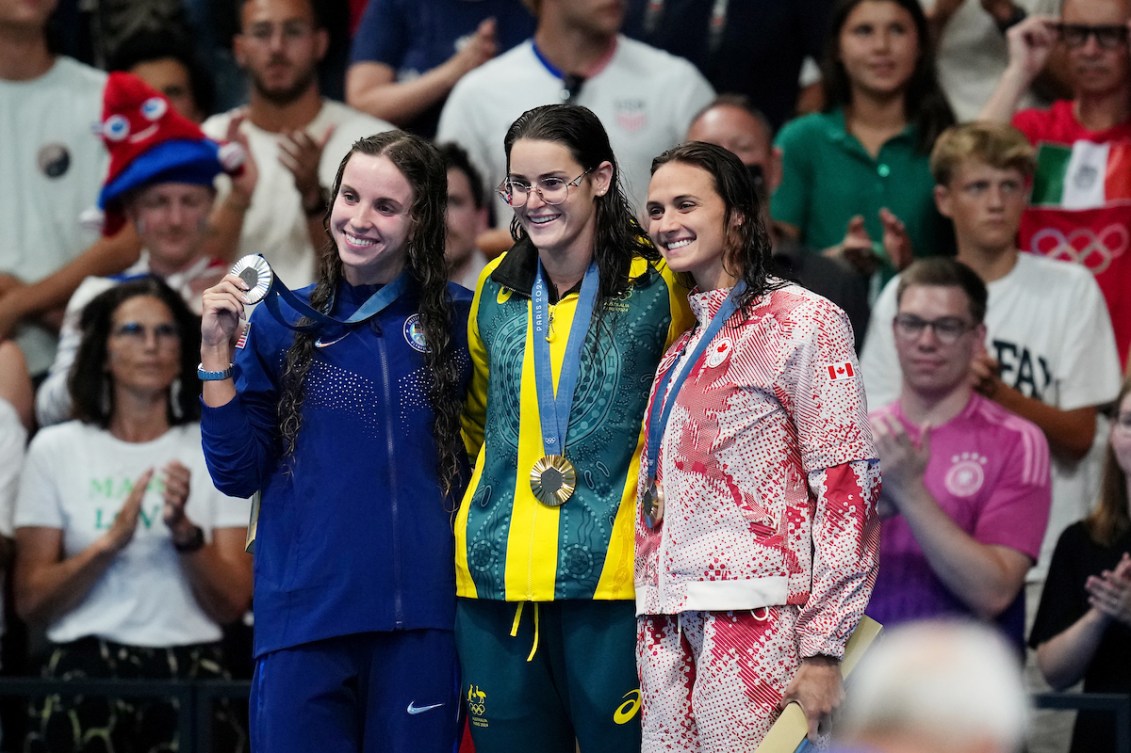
x=756, y=538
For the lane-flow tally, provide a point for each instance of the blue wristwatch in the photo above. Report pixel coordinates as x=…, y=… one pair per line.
x=213, y=376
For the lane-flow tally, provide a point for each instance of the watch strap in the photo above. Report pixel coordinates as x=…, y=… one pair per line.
x=213, y=376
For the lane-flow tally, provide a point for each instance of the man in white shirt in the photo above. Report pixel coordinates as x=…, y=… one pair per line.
x=644, y=97
x=51, y=166
x=296, y=137
x=1050, y=353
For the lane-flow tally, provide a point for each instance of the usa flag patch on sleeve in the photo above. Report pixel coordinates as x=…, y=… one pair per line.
x=241, y=343
x=841, y=371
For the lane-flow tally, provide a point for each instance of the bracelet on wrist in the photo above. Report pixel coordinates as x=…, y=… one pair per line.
x=205, y=375
x=193, y=544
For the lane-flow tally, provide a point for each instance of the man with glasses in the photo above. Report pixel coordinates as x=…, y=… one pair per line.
x=1049, y=353
x=1080, y=207
x=296, y=137
x=966, y=490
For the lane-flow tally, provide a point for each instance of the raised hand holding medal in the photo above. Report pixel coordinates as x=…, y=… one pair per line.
x=553, y=478
x=254, y=271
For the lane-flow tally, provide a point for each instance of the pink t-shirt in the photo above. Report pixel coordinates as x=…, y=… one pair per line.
x=1093, y=231
x=989, y=471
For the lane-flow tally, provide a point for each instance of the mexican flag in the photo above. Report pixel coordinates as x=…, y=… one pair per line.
x=1084, y=175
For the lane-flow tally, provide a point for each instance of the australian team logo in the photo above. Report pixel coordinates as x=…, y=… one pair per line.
x=414, y=333
x=476, y=706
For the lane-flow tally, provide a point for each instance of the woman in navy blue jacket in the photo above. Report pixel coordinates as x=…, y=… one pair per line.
x=350, y=429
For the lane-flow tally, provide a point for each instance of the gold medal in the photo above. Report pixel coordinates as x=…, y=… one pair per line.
x=256, y=273
x=553, y=479
x=653, y=505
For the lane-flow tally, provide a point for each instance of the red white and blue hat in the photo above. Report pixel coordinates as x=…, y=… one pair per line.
x=150, y=142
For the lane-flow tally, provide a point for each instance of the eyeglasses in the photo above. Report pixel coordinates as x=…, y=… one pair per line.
x=292, y=31
x=1107, y=37
x=163, y=333
x=551, y=190
x=947, y=328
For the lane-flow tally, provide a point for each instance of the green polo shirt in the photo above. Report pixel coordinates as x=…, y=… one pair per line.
x=828, y=177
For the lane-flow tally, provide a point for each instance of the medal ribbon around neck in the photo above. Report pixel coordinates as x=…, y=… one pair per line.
x=264, y=285
x=553, y=477
x=663, y=399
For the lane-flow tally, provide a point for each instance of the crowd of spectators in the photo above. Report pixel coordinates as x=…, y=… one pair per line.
x=996, y=132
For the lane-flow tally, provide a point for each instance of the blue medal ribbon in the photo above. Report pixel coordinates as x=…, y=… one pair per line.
x=553, y=410
x=663, y=399
x=317, y=320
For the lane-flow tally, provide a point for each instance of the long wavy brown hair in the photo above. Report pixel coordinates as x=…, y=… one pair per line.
x=423, y=167
x=1110, y=519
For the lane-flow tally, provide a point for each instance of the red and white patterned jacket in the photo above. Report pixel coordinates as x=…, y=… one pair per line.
x=769, y=475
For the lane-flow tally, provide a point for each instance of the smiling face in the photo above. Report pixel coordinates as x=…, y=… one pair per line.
x=879, y=48
x=687, y=219
x=568, y=228
x=371, y=220
x=143, y=352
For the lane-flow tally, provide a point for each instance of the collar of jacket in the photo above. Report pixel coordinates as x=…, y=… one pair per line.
x=519, y=267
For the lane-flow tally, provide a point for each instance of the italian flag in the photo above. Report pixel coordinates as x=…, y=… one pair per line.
x=1084, y=175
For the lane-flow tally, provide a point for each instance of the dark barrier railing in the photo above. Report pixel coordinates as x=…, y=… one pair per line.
x=1116, y=704
x=195, y=699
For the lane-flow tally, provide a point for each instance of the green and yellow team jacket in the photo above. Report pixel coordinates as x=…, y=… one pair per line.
x=510, y=546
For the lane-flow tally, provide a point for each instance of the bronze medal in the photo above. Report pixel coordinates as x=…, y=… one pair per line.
x=653, y=505
x=553, y=479
x=256, y=273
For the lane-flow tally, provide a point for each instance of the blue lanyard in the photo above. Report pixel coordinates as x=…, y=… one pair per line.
x=663, y=399
x=373, y=305
x=554, y=410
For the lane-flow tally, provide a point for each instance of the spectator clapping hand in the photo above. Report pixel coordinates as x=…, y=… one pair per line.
x=1110, y=591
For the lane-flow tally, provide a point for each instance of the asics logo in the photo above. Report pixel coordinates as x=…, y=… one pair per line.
x=627, y=710
x=414, y=709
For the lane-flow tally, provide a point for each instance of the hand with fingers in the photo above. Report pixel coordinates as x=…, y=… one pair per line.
x=124, y=527
x=903, y=461
x=301, y=154
x=222, y=308
x=478, y=48
x=1110, y=591
x=985, y=374
x=896, y=241
x=818, y=689
x=857, y=247
x=243, y=183
x=177, y=479
x=1030, y=44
